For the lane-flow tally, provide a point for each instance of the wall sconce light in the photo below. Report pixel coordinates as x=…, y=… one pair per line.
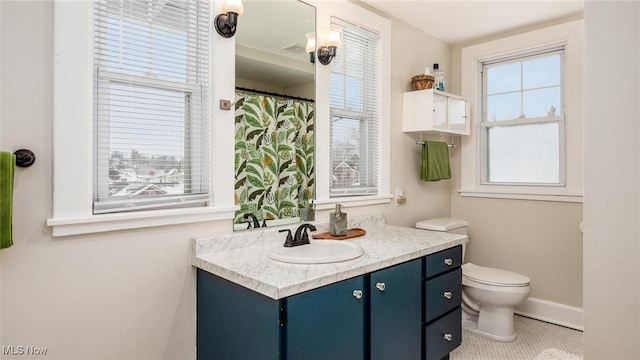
x=327, y=52
x=226, y=22
x=311, y=46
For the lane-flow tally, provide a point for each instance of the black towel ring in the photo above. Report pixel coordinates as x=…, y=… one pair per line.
x=24, y=158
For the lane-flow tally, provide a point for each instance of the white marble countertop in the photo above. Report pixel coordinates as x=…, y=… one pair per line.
x=241, y=257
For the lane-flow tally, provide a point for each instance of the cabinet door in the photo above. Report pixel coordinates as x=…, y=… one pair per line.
x=440, y=122
x=234, y=322
x=395, y=317
x=457, y=116
x=327, y=323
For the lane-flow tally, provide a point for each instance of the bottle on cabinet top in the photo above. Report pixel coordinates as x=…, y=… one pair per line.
x=438, y=75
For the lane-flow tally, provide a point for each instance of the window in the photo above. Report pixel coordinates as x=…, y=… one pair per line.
x=354, y=112
x=526, y=111
x=522, y=129
x=150, y=104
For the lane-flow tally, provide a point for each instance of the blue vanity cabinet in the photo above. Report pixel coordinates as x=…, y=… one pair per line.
x=234, y=322
x=395, y=312
x=407, y=311
x=442, y=314
x=327, y=323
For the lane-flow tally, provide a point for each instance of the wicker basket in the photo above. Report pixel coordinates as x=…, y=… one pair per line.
x=422, y=82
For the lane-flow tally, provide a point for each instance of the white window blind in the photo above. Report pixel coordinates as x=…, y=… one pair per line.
x=355, y=112
x=150, y=104
x=523, y=120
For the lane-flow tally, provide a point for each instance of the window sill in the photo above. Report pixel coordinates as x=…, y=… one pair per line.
x=134, y=220
x=556, y=196
x=351, y=201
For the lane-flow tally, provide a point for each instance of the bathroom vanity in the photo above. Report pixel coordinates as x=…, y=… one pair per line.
x=399, y=300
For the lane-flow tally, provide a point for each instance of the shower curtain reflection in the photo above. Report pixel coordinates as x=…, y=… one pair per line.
x=274, y=157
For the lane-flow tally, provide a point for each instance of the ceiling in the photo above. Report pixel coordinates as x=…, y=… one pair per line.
x=463, y=21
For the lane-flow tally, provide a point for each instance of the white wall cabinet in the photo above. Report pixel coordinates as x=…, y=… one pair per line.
x=437, y=111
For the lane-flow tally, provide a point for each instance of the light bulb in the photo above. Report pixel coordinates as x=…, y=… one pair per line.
x=333, y=39
x=311, y=42
x=234, y=6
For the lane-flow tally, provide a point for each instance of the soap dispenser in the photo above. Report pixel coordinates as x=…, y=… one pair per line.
x=338, y=222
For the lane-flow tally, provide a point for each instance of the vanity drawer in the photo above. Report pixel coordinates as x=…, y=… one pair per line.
x=442, y=293
x=443, y=261
x=443, y=335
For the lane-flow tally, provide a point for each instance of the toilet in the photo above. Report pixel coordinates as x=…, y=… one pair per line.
x=488, y=294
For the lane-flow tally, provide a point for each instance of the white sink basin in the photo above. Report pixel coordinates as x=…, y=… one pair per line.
x=318, y=252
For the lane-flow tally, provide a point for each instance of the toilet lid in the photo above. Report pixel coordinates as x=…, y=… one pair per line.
x=492, y=276
x=441, y=224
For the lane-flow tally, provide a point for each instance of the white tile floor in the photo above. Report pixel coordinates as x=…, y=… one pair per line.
x=533, y=337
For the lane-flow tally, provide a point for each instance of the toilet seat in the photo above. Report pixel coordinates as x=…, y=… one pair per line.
x=492, y=276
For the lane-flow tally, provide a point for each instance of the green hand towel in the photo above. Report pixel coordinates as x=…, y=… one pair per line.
x=7, y=168
x=434, y=164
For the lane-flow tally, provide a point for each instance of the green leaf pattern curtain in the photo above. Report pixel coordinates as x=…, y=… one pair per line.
x=274, y=156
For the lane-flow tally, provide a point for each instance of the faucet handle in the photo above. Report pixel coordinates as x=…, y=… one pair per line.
x=289, y=241
x=304, y=239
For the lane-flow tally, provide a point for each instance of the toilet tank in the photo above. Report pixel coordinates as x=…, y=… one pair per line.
x=449, y=225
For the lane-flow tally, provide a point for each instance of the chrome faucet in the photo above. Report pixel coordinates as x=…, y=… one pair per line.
x=301, y=237
x=256, y=223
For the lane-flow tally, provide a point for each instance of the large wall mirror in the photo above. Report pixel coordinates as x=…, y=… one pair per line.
x=275, y=103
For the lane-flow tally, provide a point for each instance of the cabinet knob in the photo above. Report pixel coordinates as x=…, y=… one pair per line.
x=448, y=337
x=448, y=295
x=448, y=261
x=357, y=294
x=381, y=286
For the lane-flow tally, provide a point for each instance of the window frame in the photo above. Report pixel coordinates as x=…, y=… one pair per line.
x=72, y=208
x=569, y=34
x=367, y=117
x=359, y=16
x=114, y=76
x=114, y=205
x=361, y=117
x=485, y=125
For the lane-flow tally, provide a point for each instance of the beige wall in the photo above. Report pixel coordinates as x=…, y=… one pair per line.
x=535, y=238
x=412, y=50
x=131, y=294
x=612, y=181
x=118, y=295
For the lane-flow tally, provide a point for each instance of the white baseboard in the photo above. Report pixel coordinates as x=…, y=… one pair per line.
x=552, y=312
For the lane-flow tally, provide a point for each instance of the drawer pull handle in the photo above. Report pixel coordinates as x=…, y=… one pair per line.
x=357, y=294
x=381, y=286
x=448, y=261
x=448, y=295
x=448, y=337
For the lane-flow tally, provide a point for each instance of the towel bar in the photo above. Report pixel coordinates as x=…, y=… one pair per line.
x=24, y=158
x=424, y=142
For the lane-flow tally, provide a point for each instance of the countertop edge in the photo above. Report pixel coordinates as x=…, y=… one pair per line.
x=276, y=293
